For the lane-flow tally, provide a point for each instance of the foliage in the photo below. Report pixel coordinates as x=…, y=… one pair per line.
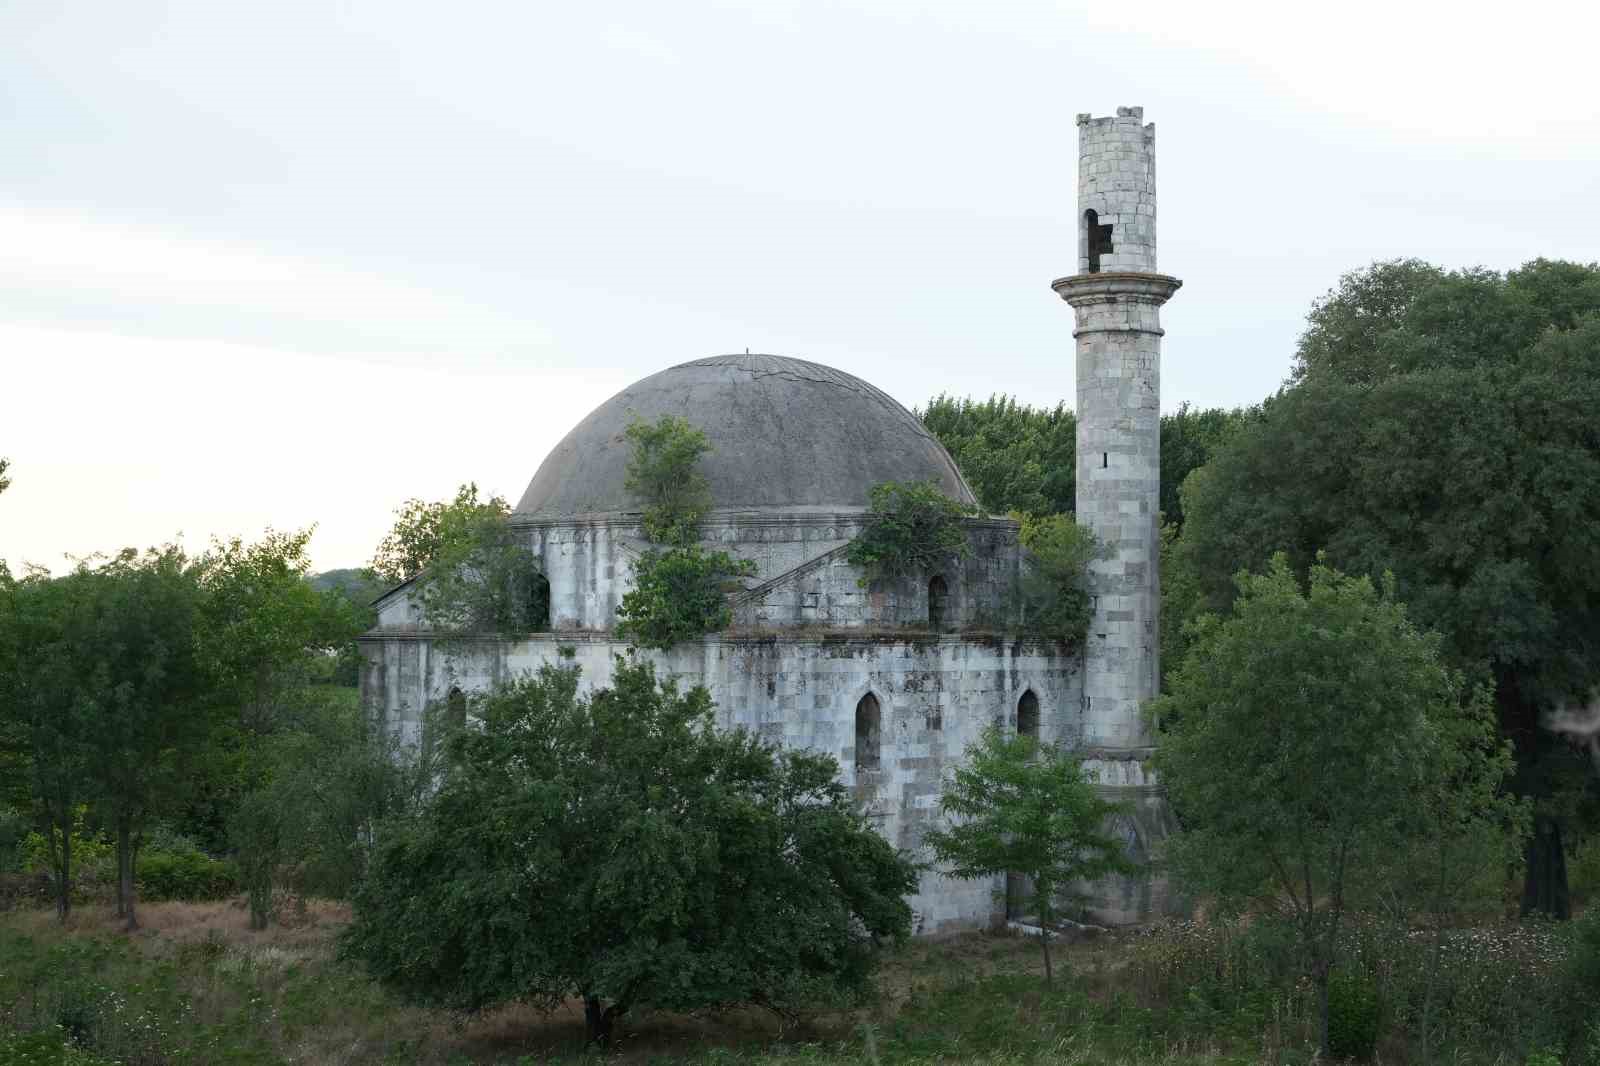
x=1015, y=457
x=307, y=826
x=1023, y=459
x=680, y=590
x=184, y=875
x=1442, y=427
x=1053, y=592
x=1020, y=807
x=678, y=594
x=619, y=847
x=664, y=470
x=422, y=528
x=1352, y=1014
x=5, y=482
x=911, y=528
x=1350, y=724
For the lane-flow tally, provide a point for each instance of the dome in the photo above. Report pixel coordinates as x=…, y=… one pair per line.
x=786, y=435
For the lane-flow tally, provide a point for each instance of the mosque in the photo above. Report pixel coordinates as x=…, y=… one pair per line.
x=894, y=678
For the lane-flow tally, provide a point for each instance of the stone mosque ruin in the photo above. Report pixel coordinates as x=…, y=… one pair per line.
x=897, y=677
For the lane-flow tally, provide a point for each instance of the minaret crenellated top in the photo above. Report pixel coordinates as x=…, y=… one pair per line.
x=1117, y=193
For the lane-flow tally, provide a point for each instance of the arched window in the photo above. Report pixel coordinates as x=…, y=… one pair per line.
x=1028, y=715
x=869, y=733
x=456, y=709
x=539, y=602
x=938, y=598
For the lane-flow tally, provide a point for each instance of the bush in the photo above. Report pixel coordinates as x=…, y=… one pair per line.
x=188, y=876
x=912, y=528
x=1053, y=593
x=679, y=594
x=1352, y=1014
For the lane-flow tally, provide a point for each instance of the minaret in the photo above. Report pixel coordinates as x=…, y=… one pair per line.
x=1117, y=296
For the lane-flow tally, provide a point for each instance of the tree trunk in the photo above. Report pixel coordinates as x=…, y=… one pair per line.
x=1044, y=942
x=1321, y=977
x=599, y=1021
x=1544, y=888
x=125, y=874
x=122, y=895
x=64, y=874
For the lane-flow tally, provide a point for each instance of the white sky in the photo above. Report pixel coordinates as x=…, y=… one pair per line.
x=282, y=263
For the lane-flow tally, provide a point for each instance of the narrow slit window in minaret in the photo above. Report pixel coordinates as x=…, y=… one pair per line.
x=1099, y=239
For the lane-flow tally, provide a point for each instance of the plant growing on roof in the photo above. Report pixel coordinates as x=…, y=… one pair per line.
x=912, y=527
x=680, y=590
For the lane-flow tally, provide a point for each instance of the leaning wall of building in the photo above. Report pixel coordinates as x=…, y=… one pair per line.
x=934, y=696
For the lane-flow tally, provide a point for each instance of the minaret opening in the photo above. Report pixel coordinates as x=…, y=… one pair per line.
x=1099, y=238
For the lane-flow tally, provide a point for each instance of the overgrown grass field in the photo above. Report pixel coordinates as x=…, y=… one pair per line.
x=196, y=986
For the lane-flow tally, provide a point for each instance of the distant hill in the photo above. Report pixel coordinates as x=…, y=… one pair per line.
x=357, y=584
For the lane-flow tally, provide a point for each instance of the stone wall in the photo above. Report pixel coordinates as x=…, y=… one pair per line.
x=934, y=695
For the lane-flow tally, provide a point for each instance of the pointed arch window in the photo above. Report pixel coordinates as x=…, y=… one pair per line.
x=456, y=709
x=1028, y=715
x=869, y=733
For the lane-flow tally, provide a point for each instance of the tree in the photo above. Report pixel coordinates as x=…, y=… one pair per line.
x=1468, y=468
x=1015, y=457
x=1020, y=807
x=422, y=529
x=619, y=847
x=1053, y=592
x=5, y=482
x=911, y=528
x=680, y=589
x=1353, y=736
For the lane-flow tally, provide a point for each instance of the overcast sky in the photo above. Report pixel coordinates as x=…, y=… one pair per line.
x=282, y=263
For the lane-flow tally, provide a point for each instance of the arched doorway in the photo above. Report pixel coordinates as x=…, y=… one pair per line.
x=1028, y=715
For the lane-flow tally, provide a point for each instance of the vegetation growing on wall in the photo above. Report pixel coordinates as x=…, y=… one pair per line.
x=912, y=528
x=1052, y=597
x=680, y=590
x=473, y=573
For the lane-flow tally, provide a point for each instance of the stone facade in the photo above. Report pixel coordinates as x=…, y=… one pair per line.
x=808, y=647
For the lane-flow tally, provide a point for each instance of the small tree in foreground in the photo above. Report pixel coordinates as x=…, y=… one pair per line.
x=1315, y=735
x=1026, y=808
x=616, y=846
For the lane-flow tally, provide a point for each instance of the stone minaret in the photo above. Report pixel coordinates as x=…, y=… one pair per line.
x=1117, y=296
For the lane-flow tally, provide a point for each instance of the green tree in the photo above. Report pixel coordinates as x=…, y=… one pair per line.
x=422, y=529
x=680, y=589
x=1353, y=734
x=1053, y=593
x=1020, y=807
x=483, y=578
x=5, y=482
x=664, y=471
x=1015, y=457
x=1469, y=469
x=617, y=846
x=911, y=528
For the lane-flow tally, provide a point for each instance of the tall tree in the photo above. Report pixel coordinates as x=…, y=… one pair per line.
x=1018, y=807
x=1347, y=721
x=618, y=847
x=1420, y=439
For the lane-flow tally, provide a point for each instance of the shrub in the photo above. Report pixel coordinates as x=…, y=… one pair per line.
x=1352, y=1013
x=1053, y=594
x=678, y=594
x=912, y=528
x=188, y=876
x=663, y=470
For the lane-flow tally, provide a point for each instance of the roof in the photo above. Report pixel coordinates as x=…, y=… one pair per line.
x=785, y=435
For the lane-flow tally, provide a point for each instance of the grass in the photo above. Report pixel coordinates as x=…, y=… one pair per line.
x=197, y=986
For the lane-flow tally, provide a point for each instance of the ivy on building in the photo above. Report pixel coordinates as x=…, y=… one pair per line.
x=680, y=589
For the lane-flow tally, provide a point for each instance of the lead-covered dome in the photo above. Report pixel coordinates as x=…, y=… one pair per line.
x=786, y=435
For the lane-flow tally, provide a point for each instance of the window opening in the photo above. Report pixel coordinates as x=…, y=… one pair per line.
x=1099, y=239
x=869, y=733
x=1028, y=715
x=539, y=603
x=938, y=598
x=456, y=709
